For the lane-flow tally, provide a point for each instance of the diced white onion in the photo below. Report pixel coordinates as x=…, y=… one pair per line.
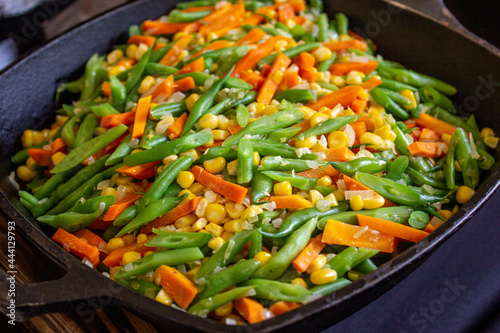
x=351, y=135
x=87, y=262
x=341, y=185
x=312, y=164
x=358, y=58
x=474, y=154
x=12, y=180
x=301, y=86
x=277, y=223
x=134, y=143
x=323, y=205
x=103, y=184
x=176, y=97
x=364, y=194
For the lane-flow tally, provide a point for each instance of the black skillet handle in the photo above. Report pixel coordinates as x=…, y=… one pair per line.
x=433, y=8
x=80, y=289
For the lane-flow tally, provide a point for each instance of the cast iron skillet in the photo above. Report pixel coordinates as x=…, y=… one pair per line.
x=422, y=35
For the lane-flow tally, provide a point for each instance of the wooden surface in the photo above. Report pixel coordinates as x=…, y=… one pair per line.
x=33, y=267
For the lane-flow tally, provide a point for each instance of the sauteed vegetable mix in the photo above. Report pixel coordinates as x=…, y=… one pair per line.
x=240, y=159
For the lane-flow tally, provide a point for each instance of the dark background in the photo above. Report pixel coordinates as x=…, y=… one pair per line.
x=456, y=290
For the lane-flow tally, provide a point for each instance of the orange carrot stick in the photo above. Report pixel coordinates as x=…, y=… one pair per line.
x=253, y=20
x=196, y=66
x=392, y=228
x=283, y=307
x=307, y=255
x=249, y=309
x=176, y=285
x=344, y=46
x=359, y=128
x=163, y=90
x=165, y=28
x=175, y=130
x=76, y=246
x=234, y=129
x=106, y=88
x=428, y=149
x=358, y=105
x=137, y=39
x=426, y=134
x=141, y=171
x=41, y=156
x=270, y=85
x=184, y=84
x=371, y=83
x=340, y=233
x=344, y=96
x=126, y=118
x=114, y=258
x=306, y=61
x=435, y=124
x=318, y=173
x=255, y=79
x=116, y=209
x=252, y=57
x=88, y=236
x=354, y=185
x=252, y=37
x=173, y=54
x=141, y=115
x=338, y=154
x=172, y=215
x=58, y=145
x=291, y=79
x=290, y=201
x=345, y=68
x=231, y=191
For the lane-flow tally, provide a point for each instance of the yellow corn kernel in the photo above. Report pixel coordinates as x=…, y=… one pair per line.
x=374, y=111
x=130, y=257
x=185, y=179
x=356, y=203
x=234, y=226
x=344, y=37
x=322, y=53
x=344, y=59
x=24, y=173
x=316, y=264
x=141, y=49
x=224, y=310
x=300, y=282
x=30, y=162
x=251, y=211
x=185, y=221
x=220, y=134
x=411, y=96
x=232, y=168
x=314, y=196
x=256, y=158
x=458, y=167
x=486, y=132
x=318, y=118
x=201, y=207
x=191, y=152
x=445, y=213
x=339, y=195
x=148, y=253
x=308, y=142
x=256, y=108
x=146, y=84
x=215, y=165
x=278, y=77
x=464, y=194
x=234, y=210
x=282, y=188
x=383, y=132
x=323, y=276
x=113, y=56
x=223, y=123
x=353, y=78
x=190, y=196
x=376, y=202
x=446, y=138
x=332, y=199
x=262, y=257
x=270, y=110
x=215, y=213
x=316, y=87
x=211, y=36
x=214, y=229
x=197, y=188
x=129, y=239
x=371, y=139
x=164, y=298
x=115, y=243
x=178, y=35
x=215, y=243
x=113, y=271
x=191, y=100
x=130, y=52
x=337, y=139
x=199, y=225
x=109, y=191
x=227, y=235
x=141, y=238
x=114, y=71
x=363, y=95
x=27, y=138
x=280, y=45
x=209, y=121
x=325, y=181
x=308, y=112
x=491, y=141
x=215, y=66
x=38, y=137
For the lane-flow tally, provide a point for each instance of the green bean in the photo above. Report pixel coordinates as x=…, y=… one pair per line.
x=106, y=174
x=317, y=5
x=327, y=126
x=200, y=78
x=290, y=53
x=485, y=161
x=326, y=64
x=80, y=153
x=277, y=291
x=323, y=27
x=421, y=164
x=329, y=288
x=395, y=85
x=198, y=3
x=215, y=55
x=401, y=141
x=155, y=260
x=68, y=131
x=342, y=23
x=92, y=204
x=255, y=244
x=90, y=80
x=175, y=109
x=366, y=267
x=296, y=95
x=177, y=16
x=126, y=216
x=207, y=305
x=262, y=186
x=179, y=240
x=104, y=109
x=463, y=152
x=283, y=134
x=362, y=164
x=148, y=130
x=383, y=99
x=277, y=163
x=271, y=148
x=396, y=169
x=22, y=155
x=429, y=94
x=242, y=116
x=157, y=55
x=349, y=258
x=158, y=69
x=301, y=182
x=419, y=178
x=86, y=130
x=173, y=147
x=110, y=233
x=245, y=161
x=267, y=30
x=120, y=152
x=397, y=97
x=137, y=70
x=399, y=214
x=382, y=63
x=147, y=289
x=418, y=220
x=134, y=30
x=54, y=182
x=230, y=103
x=118, y=93
x=416, y=79
x=71, y=221
x=229, y=154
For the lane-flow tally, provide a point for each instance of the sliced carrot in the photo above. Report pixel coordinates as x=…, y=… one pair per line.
x=371, y=83
x=344, y=96
x=435, y=124
x=427, y=135
x=76, y=246
x=234, y=129
x=58, y=145
x=172, y=55
x=159, y=45
x=270, y=85
x=41, y=156
x=307, y=74
x=172, y=215
x=344, y=46
x=354, y=185
x=338, y=154
x=163, y=90
x=228, y=18
x=306, y=61
x=253, y=20
x=184, y=84
x=285, y=13
x=369, y=122
x=308, y=254
x=359, y=128
x=196, y=66
x=283, y=307
x=141, y=115
x=253, y=78
x=114, y=258
x=318, y=173
x=126, y=118
x=252, y=57
x=164, y=28
x=216, y=45
x=231, y=191
x=304, y=125
x=141, y=171
x=252, y=37
x=117, y=208
x=291, y=79
x=88, y=236
x=340, y=233
x=298, y=5
x=428, y=149
x=358, y=105
x=290, y=201
x=265, y=70
x=392, y=228
x=137, y=39
x=345, y=68
x=176, y=285
x=99, y=224
x=249, y=309
x=300, y=19
x=106, y=88
x=175, y=130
